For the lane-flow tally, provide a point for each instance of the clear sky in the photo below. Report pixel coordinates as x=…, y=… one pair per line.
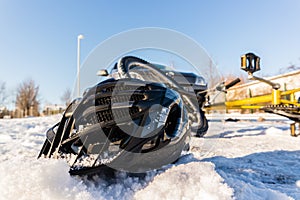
x=38, y=39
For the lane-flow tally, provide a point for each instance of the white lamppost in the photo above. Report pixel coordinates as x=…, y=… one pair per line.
x=79, y=37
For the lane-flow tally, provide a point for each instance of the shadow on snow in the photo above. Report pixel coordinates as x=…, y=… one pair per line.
x=243, y=132
x=261, y=172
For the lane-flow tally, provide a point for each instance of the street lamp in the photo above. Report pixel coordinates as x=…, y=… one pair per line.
x=79, y=37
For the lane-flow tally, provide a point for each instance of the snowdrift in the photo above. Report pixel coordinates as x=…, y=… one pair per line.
x=243, y=160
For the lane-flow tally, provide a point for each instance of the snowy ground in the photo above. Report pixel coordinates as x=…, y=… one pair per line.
x=235, y=160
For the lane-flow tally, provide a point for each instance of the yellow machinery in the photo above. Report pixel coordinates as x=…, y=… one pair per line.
x=276, y=102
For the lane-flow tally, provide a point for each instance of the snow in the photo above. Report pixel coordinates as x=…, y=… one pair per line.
x=235, y=160
x=193, y=180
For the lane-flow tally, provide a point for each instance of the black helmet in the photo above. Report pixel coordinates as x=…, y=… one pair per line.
x=137, y=120
x=125, y=124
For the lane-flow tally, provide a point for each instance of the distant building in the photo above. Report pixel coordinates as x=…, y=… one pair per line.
x=52, y=109
x=287, y=81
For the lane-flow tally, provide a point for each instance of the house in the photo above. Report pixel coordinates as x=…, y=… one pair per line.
x=287, y=81
x=52, y=109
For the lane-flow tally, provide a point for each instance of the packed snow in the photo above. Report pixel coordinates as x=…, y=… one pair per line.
x=247, y=159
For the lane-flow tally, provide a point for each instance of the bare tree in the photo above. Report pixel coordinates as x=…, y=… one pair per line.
x=3, y=95
x=290, y=68
x=230, y=77
x=211, y=75
x=26, y=100
x=66, y=97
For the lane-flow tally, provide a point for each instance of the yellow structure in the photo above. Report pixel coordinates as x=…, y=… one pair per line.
x=277, y=101
x=277, y=97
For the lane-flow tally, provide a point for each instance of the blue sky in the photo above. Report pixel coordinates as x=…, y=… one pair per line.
x=38, y=39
